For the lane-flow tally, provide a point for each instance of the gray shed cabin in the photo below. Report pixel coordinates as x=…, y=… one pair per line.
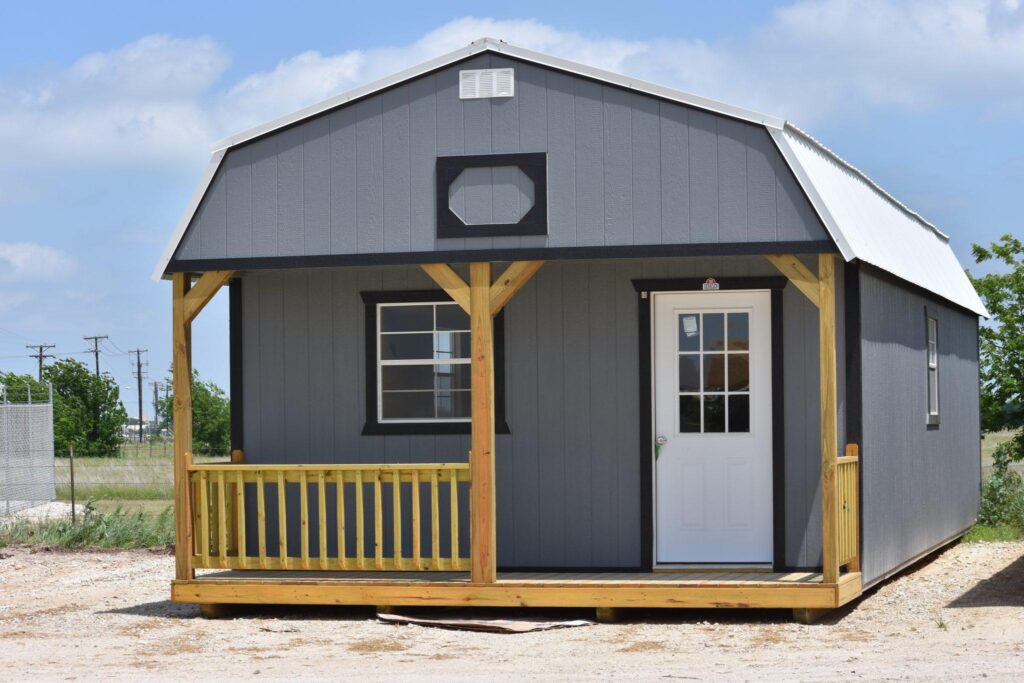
x=510, y=330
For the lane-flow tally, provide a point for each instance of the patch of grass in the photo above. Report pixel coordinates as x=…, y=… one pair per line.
x=981, y=533
x=116, y=491
x=117, y=529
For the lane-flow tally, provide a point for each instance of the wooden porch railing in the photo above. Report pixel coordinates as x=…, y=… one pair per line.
x=333, y=499
x=849, y=517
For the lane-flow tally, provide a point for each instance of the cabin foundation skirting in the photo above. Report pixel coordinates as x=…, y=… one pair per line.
x=570, y=591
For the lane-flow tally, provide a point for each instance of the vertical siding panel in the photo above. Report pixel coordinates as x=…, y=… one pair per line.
x=422, y=155
x=797, y=220
x=603, y=415
x=264, y=197
x=646, y=136
x=451, y=138
x=213, y=243
x=344, y=193
x=251, y=368
x=295, y=388
x=505, y=139
x=190, y=241
x=761, y=212
x=522, y=376
x=346, y=316
x=369, y=173
x=271, y=368
x=551, y=426
x=397, y=180
x=578, y=425
x=675, y=174
x=238, y=169
x=561, y=144
x=590, y=161
x=732, y=180
x=321, y=359
x=703, y=147
x=618, y=167
x=371, y=448
x=531, y=91
x=291, y=215
x=316, y=185
x=627, y=390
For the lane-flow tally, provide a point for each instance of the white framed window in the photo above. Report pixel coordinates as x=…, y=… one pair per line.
x=933, y=370
x=423, y=362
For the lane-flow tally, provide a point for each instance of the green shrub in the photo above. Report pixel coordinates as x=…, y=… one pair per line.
x=117, y=529
x=1002, y=496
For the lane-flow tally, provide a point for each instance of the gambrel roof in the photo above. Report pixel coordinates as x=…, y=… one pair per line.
x=865, y=222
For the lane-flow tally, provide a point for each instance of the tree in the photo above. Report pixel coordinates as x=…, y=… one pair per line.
x=211, y=416
x=20, y=387
x=1002, y=344
x=87, y=410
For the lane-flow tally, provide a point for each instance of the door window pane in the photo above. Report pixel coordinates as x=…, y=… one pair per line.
x=714, y=372
x=714, y=331
x=739, y=412
x=689, y=332
x=689, y=372
x=689, y=413
x=714, y=413
x=739, y=372
x=739, y=331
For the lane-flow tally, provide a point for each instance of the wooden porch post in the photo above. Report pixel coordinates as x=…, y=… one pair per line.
x=182, y=381
x=829, y=437
x=483, y=568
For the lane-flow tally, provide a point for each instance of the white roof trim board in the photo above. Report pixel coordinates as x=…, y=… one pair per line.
x=866, y=222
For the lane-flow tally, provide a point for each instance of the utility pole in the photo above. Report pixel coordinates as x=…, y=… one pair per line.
x=96, y=349
x=41, y=355
x=138, y=376
x=156, y=404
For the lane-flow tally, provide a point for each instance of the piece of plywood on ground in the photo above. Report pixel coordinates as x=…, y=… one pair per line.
x=475, y=622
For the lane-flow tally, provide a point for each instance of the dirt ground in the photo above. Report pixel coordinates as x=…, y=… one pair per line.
x=105, y=615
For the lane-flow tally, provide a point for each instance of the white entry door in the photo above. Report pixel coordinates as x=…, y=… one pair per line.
x=713, y=427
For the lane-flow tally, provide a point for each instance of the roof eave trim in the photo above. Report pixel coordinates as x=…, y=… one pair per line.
x=817, y=202
x=190, y=211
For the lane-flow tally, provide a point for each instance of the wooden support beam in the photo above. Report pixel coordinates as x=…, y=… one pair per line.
x=450, y=281
x=483, y=568
x=182, y=415
x=203, y=290
x=829, y=436
x=794, y=269
x=510, y=282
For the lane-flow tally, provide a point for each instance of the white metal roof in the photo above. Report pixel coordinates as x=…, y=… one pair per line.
x=866, y=222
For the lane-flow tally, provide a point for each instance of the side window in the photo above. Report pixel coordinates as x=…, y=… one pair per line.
x=933, y=371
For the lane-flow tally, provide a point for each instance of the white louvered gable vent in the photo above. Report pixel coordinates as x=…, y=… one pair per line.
x=477, y=83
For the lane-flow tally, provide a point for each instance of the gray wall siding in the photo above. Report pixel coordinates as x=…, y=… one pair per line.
x=920, y=485
x=623, y=169
x=569, y=473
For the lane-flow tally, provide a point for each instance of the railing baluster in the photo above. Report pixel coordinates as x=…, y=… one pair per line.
x=261, y=519
x=417, y=564
x=360, y=523
x=396, y=513
x=203, y=511
x=454, y=494
x=435, y=523
x=222, y=527
x=378, y=522
x=321, y=494
x=304, y=518
x=243, y=559
x=339, y=483
x=282, y=522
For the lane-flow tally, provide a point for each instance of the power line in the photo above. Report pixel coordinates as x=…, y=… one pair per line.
x=41, y=355
x=96, y=348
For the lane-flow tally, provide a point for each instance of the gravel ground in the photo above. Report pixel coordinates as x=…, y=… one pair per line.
x=105, y=615
x=51, y=510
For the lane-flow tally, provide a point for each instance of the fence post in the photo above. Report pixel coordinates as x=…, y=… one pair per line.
x=72, y=464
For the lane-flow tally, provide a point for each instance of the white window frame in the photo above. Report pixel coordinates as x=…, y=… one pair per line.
x=932, y=355
x=419, y=361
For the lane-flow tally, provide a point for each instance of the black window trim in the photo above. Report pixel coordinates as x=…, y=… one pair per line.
x=534, y=222
x=373, y=426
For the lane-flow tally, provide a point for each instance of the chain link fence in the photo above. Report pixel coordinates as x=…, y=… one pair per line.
x=27, y=477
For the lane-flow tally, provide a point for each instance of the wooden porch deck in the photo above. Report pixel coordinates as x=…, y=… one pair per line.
x=794, y=590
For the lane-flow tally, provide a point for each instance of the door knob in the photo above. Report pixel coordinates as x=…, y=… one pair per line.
x=662, y=440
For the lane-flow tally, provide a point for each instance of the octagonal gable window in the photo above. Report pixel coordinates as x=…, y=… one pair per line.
x=491, y=195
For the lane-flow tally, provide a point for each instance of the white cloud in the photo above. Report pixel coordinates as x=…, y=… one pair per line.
x=162, y=100
x=22, y=262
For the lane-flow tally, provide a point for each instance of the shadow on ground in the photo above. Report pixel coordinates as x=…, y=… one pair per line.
x=1003, y=589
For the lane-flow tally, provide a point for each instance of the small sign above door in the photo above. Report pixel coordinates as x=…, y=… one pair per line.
x=710, y=284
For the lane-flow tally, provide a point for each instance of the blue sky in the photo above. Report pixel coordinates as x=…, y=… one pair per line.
x=108, y=111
